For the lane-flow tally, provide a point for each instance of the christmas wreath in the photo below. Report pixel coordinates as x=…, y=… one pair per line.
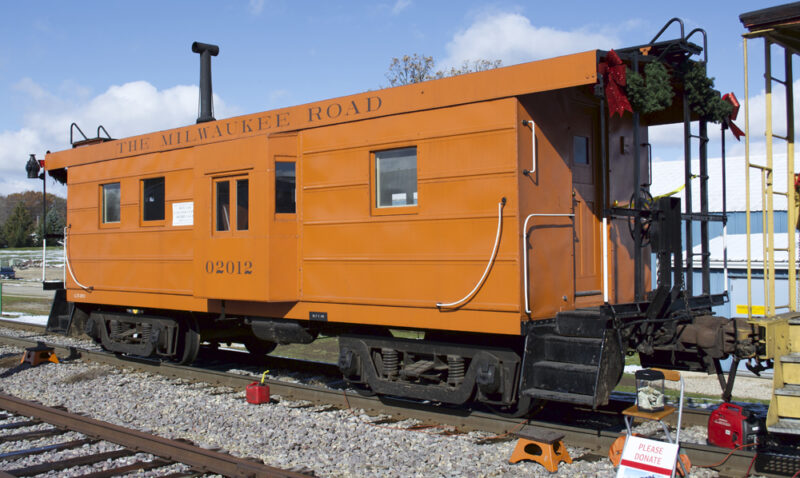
x=703, y=98
x=653, y=92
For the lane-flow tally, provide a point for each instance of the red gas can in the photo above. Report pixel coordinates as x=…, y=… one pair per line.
x=731, y=426
x=257, y=393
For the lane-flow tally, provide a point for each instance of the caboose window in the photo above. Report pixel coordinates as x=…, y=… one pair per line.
x=153, y=199
x=396, y=177
x=242, y=204
x=111, y=203
x=580, y=149
x=223, y=206
x=285, y=187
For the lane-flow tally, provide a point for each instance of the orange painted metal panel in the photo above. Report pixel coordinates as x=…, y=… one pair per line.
x=126, y=298
x=405, y=283
x=156, y=276
x=339, y=253
x=418, y=256
x=284, y=283
x=544, y=75
x=231, y=264
x=498, y=322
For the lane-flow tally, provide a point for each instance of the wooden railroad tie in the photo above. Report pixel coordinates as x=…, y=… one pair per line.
x=543, y=446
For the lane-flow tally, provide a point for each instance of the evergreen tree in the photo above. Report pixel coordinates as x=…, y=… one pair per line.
x=18, y=228
x=55, y=225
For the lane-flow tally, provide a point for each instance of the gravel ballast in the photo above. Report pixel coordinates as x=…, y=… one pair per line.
x=285, y=434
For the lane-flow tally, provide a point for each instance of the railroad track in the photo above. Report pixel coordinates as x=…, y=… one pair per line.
x=585, y=428
x=21, y=414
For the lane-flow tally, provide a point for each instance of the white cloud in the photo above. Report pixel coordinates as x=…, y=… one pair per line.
x=124, y=110
x=400, y=5
x=278, y=95
x=256, y=6
x=512, y=38
x=671, y=136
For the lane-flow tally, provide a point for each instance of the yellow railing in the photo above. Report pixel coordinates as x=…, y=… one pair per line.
x=768, y=191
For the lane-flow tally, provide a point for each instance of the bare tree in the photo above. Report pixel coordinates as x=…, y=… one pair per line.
x=410, y=69
x=416, y=68
x=470, y=67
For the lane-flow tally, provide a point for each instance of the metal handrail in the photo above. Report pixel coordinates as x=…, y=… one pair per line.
x=72, y=127
x=457, y=303
x=675, y=19
x=101, y=127
x=533, y=146
x=705, y=42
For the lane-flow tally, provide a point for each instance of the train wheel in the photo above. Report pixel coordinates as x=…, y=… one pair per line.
x=189, y=336
x=259, y=347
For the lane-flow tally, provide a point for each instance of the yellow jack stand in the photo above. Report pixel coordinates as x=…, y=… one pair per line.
x=39, y=354
x=545, y=447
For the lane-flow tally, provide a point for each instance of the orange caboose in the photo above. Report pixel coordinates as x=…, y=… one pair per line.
x=476, y=208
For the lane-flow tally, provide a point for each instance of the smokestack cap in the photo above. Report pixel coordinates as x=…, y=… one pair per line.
x=198, y=47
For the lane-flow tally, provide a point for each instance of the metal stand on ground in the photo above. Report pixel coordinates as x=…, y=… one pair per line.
x=641, y=453
x=545, y=447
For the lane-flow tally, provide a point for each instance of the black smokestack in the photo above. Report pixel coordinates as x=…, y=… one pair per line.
x=206, y=51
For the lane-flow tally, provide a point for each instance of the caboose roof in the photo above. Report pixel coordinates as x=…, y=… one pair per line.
x=780, y=24
x=538, y=76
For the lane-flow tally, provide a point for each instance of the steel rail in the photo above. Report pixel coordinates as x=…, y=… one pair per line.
x=208, y=461
x=597, y=434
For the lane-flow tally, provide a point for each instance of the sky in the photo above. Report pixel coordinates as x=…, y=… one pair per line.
x=128, y=65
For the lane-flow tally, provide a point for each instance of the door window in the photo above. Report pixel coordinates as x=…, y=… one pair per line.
x=227, y=192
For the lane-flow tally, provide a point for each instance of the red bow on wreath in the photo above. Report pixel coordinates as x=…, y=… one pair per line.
x=731, y=98
x=613, y=72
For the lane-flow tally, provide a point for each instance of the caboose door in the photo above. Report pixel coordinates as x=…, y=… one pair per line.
x=246, y=221
x=587, y=245
x=230, y=259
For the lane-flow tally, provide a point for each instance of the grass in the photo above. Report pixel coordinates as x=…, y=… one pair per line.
x=26, y=305
x=633, y=360
x=324, y=349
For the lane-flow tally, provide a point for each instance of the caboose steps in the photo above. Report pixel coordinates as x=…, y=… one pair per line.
x=789, y=391
x=581, y=323
x=559, y=396
x=786, y=425
x=565, y=377
x=562, y=349
x=784, y=410
x=575, y=369
x=60, y=317
x=791, y=358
